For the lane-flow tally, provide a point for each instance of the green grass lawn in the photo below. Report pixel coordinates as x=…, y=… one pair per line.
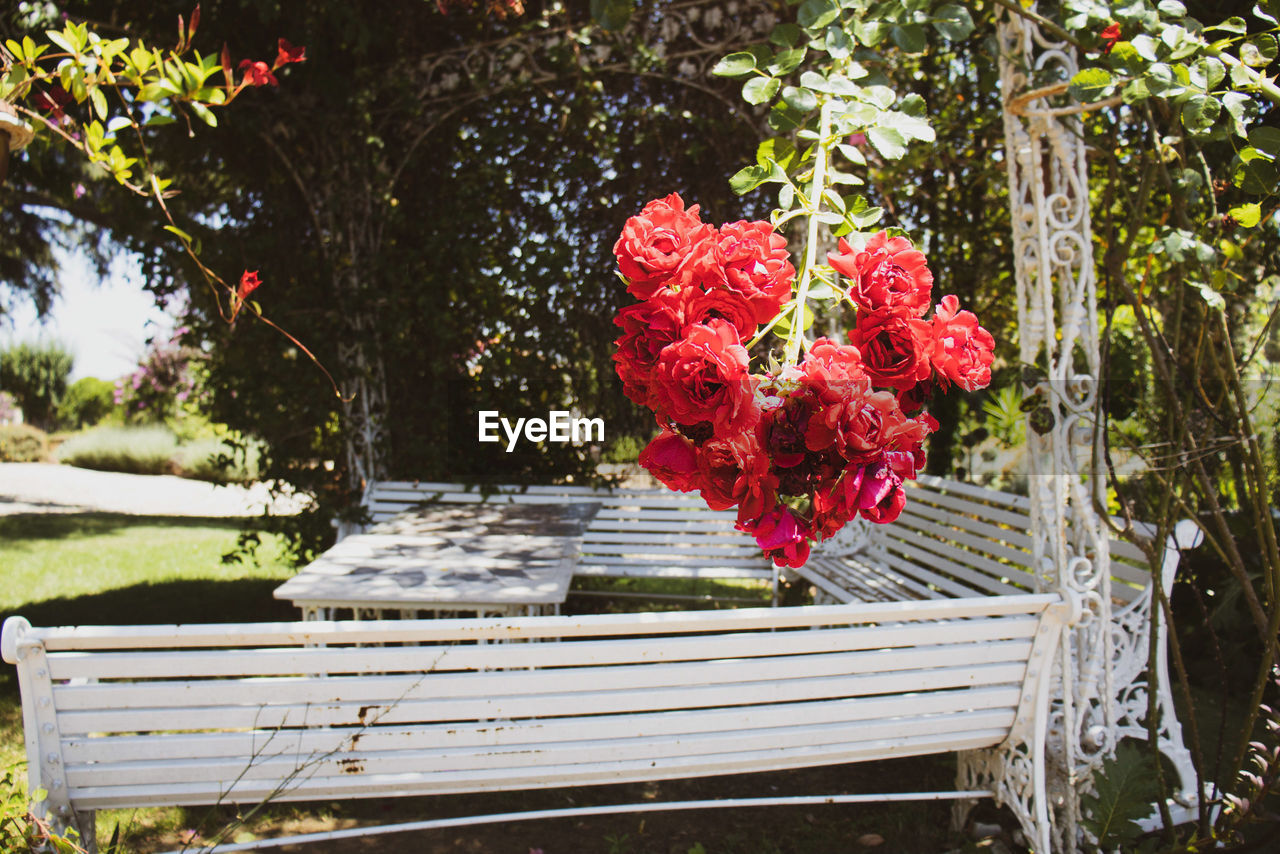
x=104, y=568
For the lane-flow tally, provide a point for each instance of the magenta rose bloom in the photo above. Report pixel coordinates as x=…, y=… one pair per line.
x=703, y=377
x=887, y=275
x=782, y=536
x=672, y=459
x=655, y=241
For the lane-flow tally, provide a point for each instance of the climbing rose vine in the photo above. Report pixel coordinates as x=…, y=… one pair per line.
x=805, y=447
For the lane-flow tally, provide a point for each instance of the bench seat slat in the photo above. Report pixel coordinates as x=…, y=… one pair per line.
x=447, y=760
x=377, y=689
x=394, y=711
x=83, y=750
x=544, y=776
x=912, y=526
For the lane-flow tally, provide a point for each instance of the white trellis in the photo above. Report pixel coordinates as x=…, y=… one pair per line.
x=1101, y=693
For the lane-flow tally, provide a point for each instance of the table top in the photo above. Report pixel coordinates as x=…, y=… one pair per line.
x=450, y=556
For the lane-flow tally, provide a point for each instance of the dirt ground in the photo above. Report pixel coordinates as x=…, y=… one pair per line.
x=900, y=828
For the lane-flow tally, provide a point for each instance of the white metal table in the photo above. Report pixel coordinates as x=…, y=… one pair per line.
x=448, y=560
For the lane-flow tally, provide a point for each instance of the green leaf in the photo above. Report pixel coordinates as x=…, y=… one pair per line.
x=909, y=38
x=747, y=179
x=1211, y=297
x=1231, y=25
x=799, y=99
x=1266, y=139
x=1240, y=107
x=816, y=14
x=206, y=115
x=611, y=14
x=735, y=65
x=839, y=45
x=1259, y=51
x=913, y=105
x=1254, y=174
x=1090, y=84
x=759, y=90
x=1246, y=216
x=99, y=102
x=1126, y=787
x=1146, y=47
x=860, y=214
x=60, y=40
x=889, y=142
x=786, y=61
x=870, y=33
x=1199, y=112
x=953, y=22
x=785, y=34
x=175, y=230
x=1207, y=72
x=786, y=197
x=1172, y=9
x=815, y=81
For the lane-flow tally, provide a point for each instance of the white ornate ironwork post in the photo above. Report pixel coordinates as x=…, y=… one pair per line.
x=1058, y=337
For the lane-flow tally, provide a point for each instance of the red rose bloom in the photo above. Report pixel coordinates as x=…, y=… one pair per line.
x=703, y=377
x=961, y=351
x=756, y=265
x=672, y=459
x=895, y=349
x=1109, y=35
x=888, y=274
x=655, y=241
x=723, y=305
x=834, y=370
x=647, y=328
x=781, y=535
x=735, y=473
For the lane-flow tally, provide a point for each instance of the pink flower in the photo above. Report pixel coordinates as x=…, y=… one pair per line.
x=782, y=536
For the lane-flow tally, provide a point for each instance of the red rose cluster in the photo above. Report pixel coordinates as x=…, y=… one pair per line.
x=802, y=452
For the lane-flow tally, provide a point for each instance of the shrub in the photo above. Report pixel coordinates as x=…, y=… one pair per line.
x=36, y=374
x=219, y=461
x=22, y=443
x=133, y=450
x=88, y=401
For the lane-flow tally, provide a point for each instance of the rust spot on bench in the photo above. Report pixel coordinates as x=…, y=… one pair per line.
x=351, y=766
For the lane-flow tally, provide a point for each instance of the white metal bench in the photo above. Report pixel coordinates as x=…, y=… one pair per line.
x=201, y=714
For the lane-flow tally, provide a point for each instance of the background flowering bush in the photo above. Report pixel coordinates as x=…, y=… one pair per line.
x=808, y=444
